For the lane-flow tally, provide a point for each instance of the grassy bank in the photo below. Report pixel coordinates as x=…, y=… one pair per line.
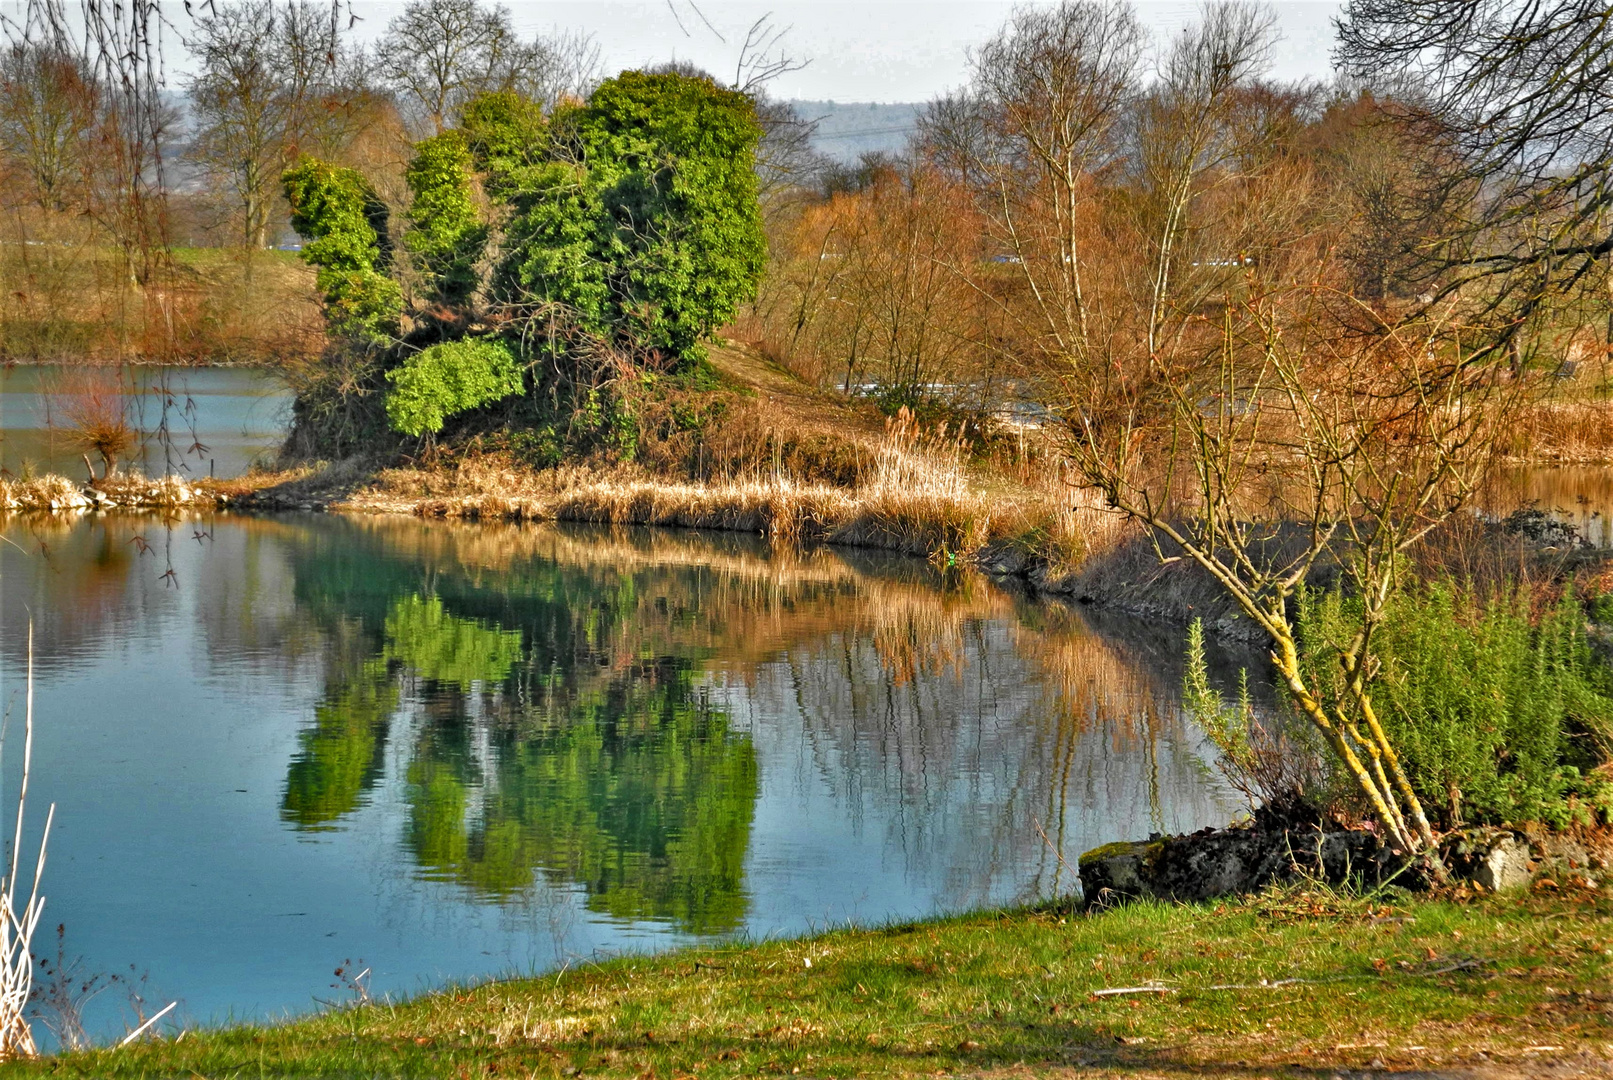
x=67, y=299
x=1284, y=984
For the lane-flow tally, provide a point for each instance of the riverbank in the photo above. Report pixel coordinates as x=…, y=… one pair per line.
x=1287, y=983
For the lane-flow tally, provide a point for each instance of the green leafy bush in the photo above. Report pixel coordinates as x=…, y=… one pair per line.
x=508, y=136
x=344, y=222
x=449, y=378
x=1496, y=717
x=1272, y=758
x=447, y=236
x=645, y=226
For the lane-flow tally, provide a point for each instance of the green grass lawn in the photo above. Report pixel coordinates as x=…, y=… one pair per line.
x=1401, y=983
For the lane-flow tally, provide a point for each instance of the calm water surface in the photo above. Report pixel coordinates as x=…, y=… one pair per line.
x=192, y=421
x=450, y=752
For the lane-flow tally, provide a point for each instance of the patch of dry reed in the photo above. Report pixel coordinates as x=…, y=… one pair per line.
x=916, y=496
x=1569, y=431
x=915, y=523
x=56, y=494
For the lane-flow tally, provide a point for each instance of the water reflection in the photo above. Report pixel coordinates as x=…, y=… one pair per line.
x=1581, y=495
x=527, y=743
x=584, y=706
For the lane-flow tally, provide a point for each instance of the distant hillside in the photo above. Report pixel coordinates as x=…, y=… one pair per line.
x=849, y=129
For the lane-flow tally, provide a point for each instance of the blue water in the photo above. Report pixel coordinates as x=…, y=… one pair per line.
x=448, y=752
x=187, y=420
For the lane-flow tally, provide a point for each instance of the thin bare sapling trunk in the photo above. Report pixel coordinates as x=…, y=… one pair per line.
x=1292, y=451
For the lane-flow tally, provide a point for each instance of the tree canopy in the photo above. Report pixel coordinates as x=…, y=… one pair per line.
x=626, y=224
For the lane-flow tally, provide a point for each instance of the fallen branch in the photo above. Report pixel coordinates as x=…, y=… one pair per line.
x=137, y=1032
x=1461, y=965
x=1272, y=985
x=1117, y=990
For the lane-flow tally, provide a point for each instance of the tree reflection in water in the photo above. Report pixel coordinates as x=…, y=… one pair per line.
x=569, y=704
x=613, y=770
x=582, y=709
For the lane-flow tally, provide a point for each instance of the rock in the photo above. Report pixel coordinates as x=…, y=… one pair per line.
x=1505, y=866
x=1048, y=579
x=1222, y=862
x=1497, y=859
x=1118, y=871
x=1004, y=558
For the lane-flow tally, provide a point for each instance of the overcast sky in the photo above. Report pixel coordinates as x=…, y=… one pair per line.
x=869, y=50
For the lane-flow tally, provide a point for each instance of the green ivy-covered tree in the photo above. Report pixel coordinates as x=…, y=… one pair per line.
x=345, y=223
x=447, y=234
x=508, y=137
x=629, y=221
x=645, y=227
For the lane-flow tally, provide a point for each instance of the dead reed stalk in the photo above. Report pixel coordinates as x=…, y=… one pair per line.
x=17, y=928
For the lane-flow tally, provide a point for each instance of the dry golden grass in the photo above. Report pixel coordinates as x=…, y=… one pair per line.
x=57, y=494
x=1563, y=431
x=64, y=296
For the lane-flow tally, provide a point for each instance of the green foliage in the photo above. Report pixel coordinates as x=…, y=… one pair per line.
x=344, y=222
x=449, y=378
x=447, y=236
x=1270, y=759
x=1494, y=715
x=641, y=792
x=607, y=764
x=629, y=230
x=1226, y=725
x=340, y=756
x=443, y=648
x=646, y=226
x=508, y=136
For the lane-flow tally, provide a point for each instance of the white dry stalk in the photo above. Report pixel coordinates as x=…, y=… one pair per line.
x=17, y=929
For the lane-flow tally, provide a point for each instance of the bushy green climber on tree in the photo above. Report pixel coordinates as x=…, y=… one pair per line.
x=629, y=221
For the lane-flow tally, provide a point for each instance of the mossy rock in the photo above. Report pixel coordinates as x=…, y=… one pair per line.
x=1140, y=848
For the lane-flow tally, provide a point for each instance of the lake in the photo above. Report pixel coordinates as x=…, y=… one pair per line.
x=445, y=752
x=194, y=421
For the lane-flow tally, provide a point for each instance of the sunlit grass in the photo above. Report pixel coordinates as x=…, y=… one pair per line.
x=1409, y=983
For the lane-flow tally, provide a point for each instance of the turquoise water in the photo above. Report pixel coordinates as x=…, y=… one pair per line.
x=188, y=420
x=448, y=752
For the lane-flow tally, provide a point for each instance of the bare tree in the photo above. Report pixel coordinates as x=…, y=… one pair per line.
x=47, y=111
x=117, y=46
x=565, y=64
x=763, y=57
x=1521, y=94
x=243, y=107
x=1162, y=258
x=270, y=85
x=439, y=54
x=1045, y=116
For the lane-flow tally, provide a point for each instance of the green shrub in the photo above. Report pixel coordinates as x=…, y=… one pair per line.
x=447, y=235
x=1496, y=717
x=344, y=222
x=508, y=136
x=449, y=378
x=1273, y=758
x=645, y=227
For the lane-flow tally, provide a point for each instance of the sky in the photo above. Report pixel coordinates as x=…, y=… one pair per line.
x=871, y=50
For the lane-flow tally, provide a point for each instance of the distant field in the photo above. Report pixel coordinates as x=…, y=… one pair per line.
x=72, y=299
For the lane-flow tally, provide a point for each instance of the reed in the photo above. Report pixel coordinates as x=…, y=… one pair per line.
x=17, y=926
x=1563, y=431
x=56, y=494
